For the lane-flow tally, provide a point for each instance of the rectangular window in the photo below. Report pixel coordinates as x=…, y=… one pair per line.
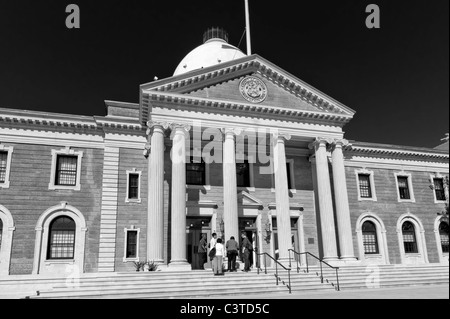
x=66, y=170
x=195, y=173
x=133, y=186
x=243, y=174
x=62, y=244
x=370, y=243
x=3, y=162
x=439, y=189
x=364, y=186
x=403, y=187
x=410, y=244
x=131, y=244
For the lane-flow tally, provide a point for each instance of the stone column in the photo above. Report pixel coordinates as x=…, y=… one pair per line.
x=282, y=197
x=230, y=204
x=179, y=136
x=325, y=200
x=341, y=201
x=155, y=221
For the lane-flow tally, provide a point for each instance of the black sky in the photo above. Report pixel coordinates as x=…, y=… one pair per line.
x=396, y=78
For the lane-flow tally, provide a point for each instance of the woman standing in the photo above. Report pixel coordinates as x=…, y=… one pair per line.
x=218, y=258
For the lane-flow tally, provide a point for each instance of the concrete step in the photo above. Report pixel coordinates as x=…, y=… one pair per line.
x=202, y=284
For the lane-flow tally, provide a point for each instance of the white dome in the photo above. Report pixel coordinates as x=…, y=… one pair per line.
x=212, y=52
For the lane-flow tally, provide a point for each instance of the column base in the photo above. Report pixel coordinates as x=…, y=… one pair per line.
x=179, y=266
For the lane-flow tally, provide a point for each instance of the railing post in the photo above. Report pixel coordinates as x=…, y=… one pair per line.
x=307, y=266
x=321, y=272
x=289, y=251
x=298, y=267
x=289, y=275
x=337, y=279
x=265, y=264
x=276, y=271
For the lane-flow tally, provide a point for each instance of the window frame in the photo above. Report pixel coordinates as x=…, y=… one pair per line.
x=9, y=151
x=249, y=159
x=408, y=177
x=416, y=243
x=364, y=171
x=375, y=232
x=65, y=152
x=197, y=153
x=126, y=231
x=133, y=171
x=191, y=162
x=445, y=253
x=433, y=177
x=49, y=242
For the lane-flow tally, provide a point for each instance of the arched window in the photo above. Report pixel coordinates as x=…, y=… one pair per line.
x=409, y=238
x=370, y=241
x=1, y=233
x=443, y=233
x=61, y=242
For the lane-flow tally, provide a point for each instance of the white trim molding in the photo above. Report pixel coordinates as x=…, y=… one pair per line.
x=412, y=199
x=70, y=152
x=421, y=257
x=443, y=257
x=9, y=150
x=126, y=231
x=364, y=171
x=127, y=197
x=59, y=267
x=7, y=237
x=383, y=253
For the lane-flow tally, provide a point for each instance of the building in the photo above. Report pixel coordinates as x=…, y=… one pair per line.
x=265, y=154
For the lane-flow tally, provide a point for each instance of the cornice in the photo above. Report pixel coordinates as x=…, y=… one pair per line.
x=393, y=152
x=176, y=99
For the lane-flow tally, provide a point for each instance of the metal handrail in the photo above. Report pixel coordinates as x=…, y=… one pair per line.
x=320, y=263
x=276, y=269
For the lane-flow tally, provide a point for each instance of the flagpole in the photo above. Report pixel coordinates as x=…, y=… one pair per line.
x=247, y=28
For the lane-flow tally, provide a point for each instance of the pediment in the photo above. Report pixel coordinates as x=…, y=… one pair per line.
x=221, y=84
x=247, y=200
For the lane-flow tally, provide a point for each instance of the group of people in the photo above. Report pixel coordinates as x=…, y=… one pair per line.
x=217, y=251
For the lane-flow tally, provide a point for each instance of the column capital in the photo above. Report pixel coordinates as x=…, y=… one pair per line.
x=231, y=131
x=320, y=141
x=179, y=127
x=281, y=137
x=341, y=143
x=151, y=125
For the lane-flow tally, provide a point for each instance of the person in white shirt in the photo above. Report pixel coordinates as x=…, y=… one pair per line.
x=218, y=258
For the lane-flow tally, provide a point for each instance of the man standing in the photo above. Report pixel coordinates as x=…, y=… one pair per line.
x=245, y=249
x=203, y=251
x=232, y=252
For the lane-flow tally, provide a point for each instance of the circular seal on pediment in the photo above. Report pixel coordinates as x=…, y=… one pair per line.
x=253, y=89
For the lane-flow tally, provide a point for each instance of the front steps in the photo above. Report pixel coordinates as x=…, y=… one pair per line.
x=202, y=284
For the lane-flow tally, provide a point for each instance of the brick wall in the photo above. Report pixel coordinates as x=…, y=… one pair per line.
x=28, y=197
x=389, y=209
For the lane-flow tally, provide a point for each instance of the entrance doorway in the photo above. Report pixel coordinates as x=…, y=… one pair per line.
x=195, y=227
x=294, y=238
x=248, y=226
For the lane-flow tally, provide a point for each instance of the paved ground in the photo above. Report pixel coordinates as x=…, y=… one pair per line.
x=415, y=292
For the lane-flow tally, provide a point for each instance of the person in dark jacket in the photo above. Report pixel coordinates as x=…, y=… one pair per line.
x=232, y=251
x=245, y=249
x=203, y=251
